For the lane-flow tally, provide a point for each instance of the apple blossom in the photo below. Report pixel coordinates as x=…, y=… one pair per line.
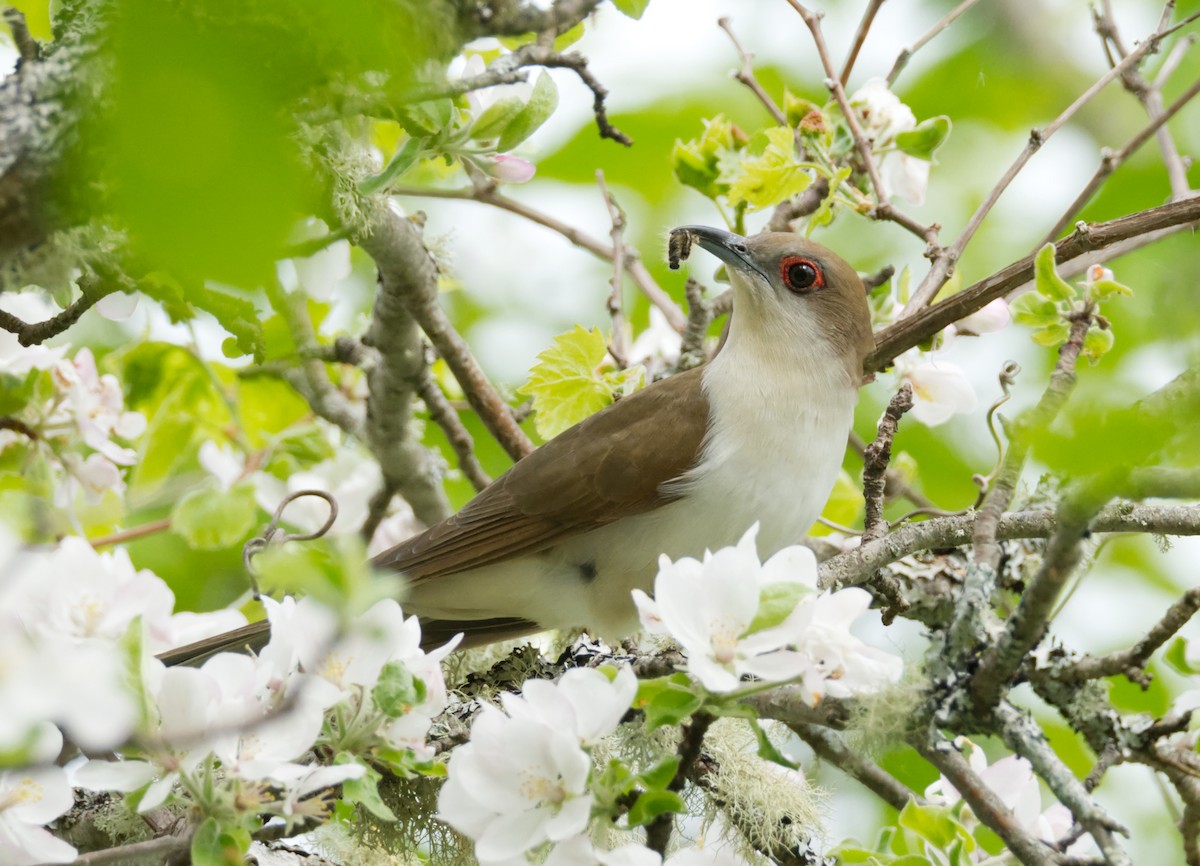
x=884, y=116
x=940, y=391
x=29, y=799
x=708, y=607
x=510, y=169
x=994, y=316
x=583, y=701
x=516, y=784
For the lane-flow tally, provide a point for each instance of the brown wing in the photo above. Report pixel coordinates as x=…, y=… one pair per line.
x=606, y=467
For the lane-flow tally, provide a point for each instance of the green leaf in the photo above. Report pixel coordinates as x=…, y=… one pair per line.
x=776, y=601
x=213, y=845
x=211, y=519
x=564, y=384
x=927, y=137
x=632, y=8
x=773, y=177
x=823, y=215
x=1049, y=283
x=658, y=777
x=667, y=700
x=1035, y=311
x=496, y=118
x=1097, y=343
x=1176, y=657
x=651, y=804
x=767, y=750
x=402, y=160
x=540, y=106
x=1102, y=289
x=935, y=824
x=364, y=791
x=1052, y=335
x=397, y=690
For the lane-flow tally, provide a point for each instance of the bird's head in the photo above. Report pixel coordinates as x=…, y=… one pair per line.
x=789, y=291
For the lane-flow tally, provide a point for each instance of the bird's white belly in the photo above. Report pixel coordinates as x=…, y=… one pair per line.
x=780, y=481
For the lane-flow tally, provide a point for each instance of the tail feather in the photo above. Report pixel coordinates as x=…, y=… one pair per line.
x=434, y=633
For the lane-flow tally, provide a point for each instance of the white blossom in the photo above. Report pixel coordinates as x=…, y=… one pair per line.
x=709, y=607
x=884, y=116
x=516, y=784
x=94, y=405
x=583, y=701
x=994, y=316
x=29, y=799
x=940, y=391
x=118, y=306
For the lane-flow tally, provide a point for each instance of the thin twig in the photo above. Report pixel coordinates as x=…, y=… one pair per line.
x=876, y=458
x=18, y=426
x=746, y=74
x=993, y=672
x=1112, y=160
x=133, y=533
x=1135, y=658
x=658, y=832
x=896, y=485
x=860, y=36
x=984, y=802
x=134, y=851
x=1149, y=95
x=906, y=55
x=856, y=566
x=1024, y=737
x=831, y=747
x=884, y=209
x=901, y=336
x=618, y=345
x=35, y=333
x=443, y=414
x=947, y=257
x=487, y=194
x=536, y=53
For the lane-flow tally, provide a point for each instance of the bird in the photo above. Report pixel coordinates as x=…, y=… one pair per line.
x=687, y=464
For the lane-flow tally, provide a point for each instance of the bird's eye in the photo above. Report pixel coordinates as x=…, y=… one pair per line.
x=800, y=274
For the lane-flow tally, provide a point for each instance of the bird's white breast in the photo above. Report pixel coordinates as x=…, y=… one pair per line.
x=776, y=439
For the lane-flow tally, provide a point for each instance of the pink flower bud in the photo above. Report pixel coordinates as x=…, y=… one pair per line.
x=511, y=169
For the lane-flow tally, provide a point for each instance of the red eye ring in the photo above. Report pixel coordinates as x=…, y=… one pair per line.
x=800, y=274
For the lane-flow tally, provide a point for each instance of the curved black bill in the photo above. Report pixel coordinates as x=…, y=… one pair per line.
x=726, y=246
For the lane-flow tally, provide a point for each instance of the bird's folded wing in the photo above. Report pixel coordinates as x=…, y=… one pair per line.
x=609, y=466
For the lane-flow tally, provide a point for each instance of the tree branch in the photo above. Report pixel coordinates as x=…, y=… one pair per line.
x=658, y=832
x=906, y=55
x=745, y=74
x=39, y=332
x=984, y=802
x=487, y=194
x=1132, y=661
x=947, y=258
x=409, y=280
x=829, y=746
x=901, y=336
x=443, y=414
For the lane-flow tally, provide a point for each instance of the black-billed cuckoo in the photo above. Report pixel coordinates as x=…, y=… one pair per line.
x=688, y=463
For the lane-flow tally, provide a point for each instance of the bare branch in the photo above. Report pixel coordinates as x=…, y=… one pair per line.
x=1133, y=660
x=860, y=36
x=1111, y=160
x=544, y=55
x=27, y=46
x=856, y=566
x=487, y=194
x=1146, y=93
x=619, y=344
x=906, y=333
x=907, y=53
x=984, y=802
x=134, y=852
x=32, y=334
x=829, y=746
x=443, y=414
x=945, y=260
x=884, y=209
x=746, y=74
x=658, y=832
x=876, y=457
x=515, y=18
x=1025, y=738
